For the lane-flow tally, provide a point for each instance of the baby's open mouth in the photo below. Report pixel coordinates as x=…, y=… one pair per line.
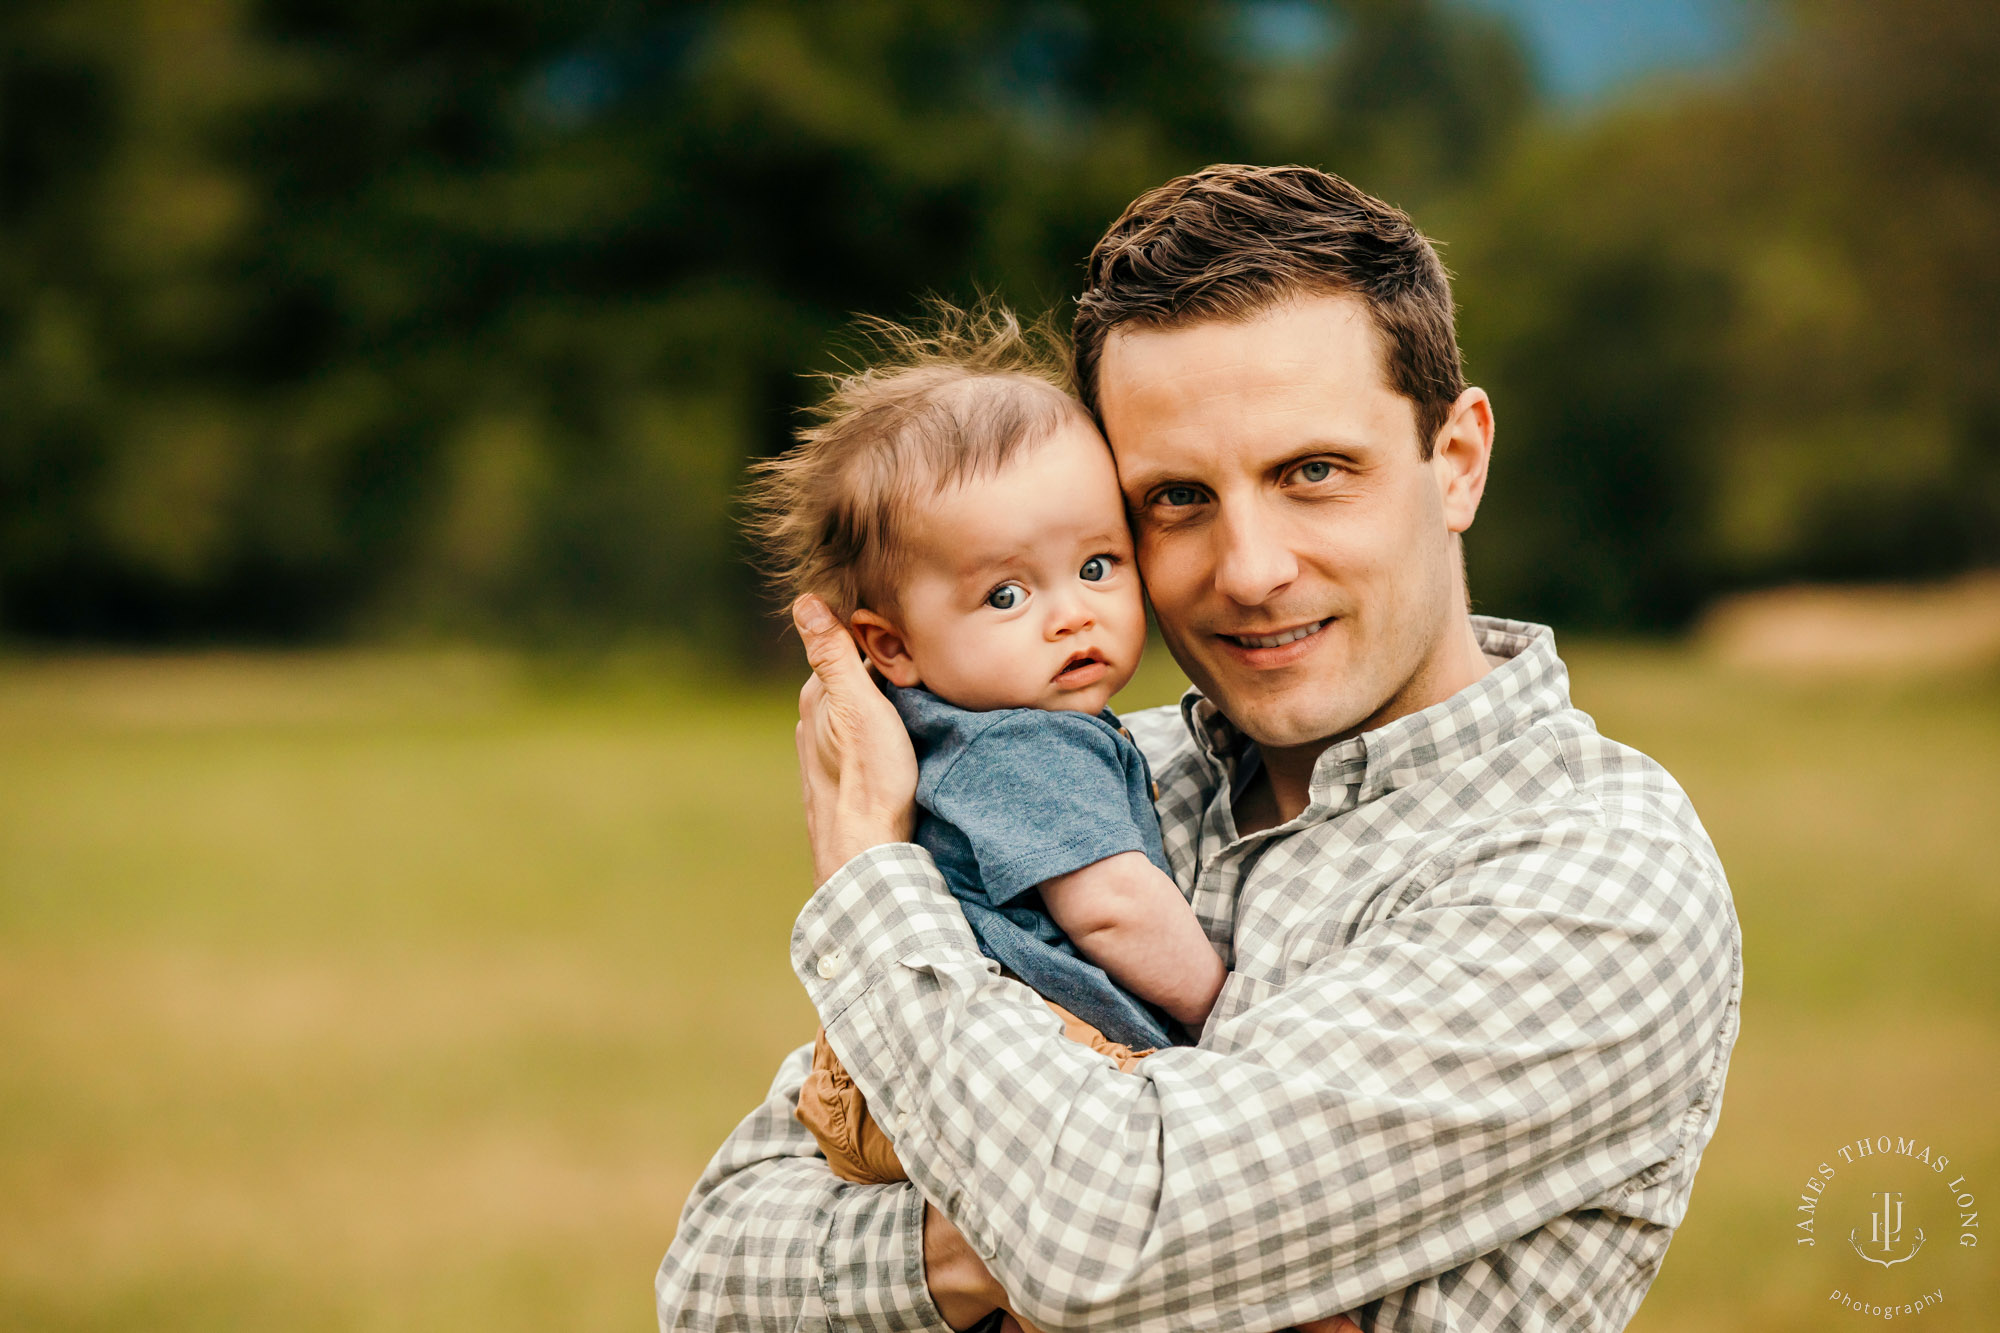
x=1081, y=669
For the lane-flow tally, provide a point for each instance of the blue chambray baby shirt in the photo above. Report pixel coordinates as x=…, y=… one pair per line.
x=1012, y=797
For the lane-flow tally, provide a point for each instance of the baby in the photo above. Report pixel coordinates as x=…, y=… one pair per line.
x=956, y=507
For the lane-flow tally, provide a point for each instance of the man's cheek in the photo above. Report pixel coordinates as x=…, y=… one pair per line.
x=1360, y=565
x=1165, y=573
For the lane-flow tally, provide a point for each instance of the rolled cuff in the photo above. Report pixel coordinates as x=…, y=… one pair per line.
x=871, y=948
x=872, y=1262
x=885, y=905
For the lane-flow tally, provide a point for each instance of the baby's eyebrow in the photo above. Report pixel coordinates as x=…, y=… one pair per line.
x=984, y=568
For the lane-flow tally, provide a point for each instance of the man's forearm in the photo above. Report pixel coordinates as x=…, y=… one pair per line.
x=1312, y=1151
x=772, y=1240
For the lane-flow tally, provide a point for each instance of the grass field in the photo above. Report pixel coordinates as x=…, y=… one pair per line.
x=411, y=992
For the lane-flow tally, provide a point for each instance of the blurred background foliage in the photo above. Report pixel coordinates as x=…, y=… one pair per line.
x=324, y=319
x=409, y=985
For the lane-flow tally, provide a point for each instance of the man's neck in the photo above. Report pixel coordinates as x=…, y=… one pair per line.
x=1282, y=788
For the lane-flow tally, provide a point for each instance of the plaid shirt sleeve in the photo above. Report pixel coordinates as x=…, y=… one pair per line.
x=1518, y=1039
x=771, y=1239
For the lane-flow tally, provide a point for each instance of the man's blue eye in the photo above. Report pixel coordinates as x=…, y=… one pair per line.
x=1004, y=598
x=1181, y=495
x=1095, y=570
x=1317, y=470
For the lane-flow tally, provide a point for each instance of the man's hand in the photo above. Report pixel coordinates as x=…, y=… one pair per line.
x=961, y=1287
x=856, y=766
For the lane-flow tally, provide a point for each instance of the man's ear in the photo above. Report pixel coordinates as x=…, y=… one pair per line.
x=885, y=647
x=1464, y=447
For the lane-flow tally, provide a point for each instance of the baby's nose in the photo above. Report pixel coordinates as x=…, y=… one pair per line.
x=1071, y=618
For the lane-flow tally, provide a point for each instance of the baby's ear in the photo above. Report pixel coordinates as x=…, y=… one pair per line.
x=885, y=647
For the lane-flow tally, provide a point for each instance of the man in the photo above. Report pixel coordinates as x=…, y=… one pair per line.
x=1484, y=965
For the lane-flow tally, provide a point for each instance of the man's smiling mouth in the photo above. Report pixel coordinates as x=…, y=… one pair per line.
x=1280, y=639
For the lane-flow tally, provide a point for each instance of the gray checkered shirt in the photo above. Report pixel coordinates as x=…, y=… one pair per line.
x=1481, y=1000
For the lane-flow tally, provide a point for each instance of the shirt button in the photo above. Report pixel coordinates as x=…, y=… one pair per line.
x=831, y=964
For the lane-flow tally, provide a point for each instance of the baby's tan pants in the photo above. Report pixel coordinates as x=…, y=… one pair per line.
x=856, y=1148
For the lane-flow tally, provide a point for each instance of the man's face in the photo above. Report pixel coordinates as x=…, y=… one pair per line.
x=1298, y=549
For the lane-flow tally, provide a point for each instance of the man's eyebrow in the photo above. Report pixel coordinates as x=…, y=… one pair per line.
x=1346, y=448
x=1146, y=479
x=1314, y=448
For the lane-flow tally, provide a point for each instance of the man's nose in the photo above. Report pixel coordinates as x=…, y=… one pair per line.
x=1252, y=560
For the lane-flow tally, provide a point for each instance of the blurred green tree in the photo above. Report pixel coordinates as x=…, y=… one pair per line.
x=328, y=318
x=1748, y=331
x=323, y=319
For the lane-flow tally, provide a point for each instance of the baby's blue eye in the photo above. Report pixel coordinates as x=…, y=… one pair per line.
x=1004, y=598
x=1095, y=570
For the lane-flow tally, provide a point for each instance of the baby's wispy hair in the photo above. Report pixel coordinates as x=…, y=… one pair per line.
x=926, y=407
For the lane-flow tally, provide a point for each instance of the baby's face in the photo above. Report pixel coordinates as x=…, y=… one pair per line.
x=1021, y=592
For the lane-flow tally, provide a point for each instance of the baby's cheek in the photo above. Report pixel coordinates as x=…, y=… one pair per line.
x=995, y=666
x=1135, y=616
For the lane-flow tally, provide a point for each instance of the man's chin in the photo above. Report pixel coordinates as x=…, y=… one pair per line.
x=1289, y=731
x=1285, y=719
x=1294, y=706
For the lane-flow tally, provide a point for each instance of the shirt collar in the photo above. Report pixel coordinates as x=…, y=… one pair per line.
x=1529, y=684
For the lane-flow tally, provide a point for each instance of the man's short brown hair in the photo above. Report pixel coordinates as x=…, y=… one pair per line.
x=956, y=397
x=1228, y=242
